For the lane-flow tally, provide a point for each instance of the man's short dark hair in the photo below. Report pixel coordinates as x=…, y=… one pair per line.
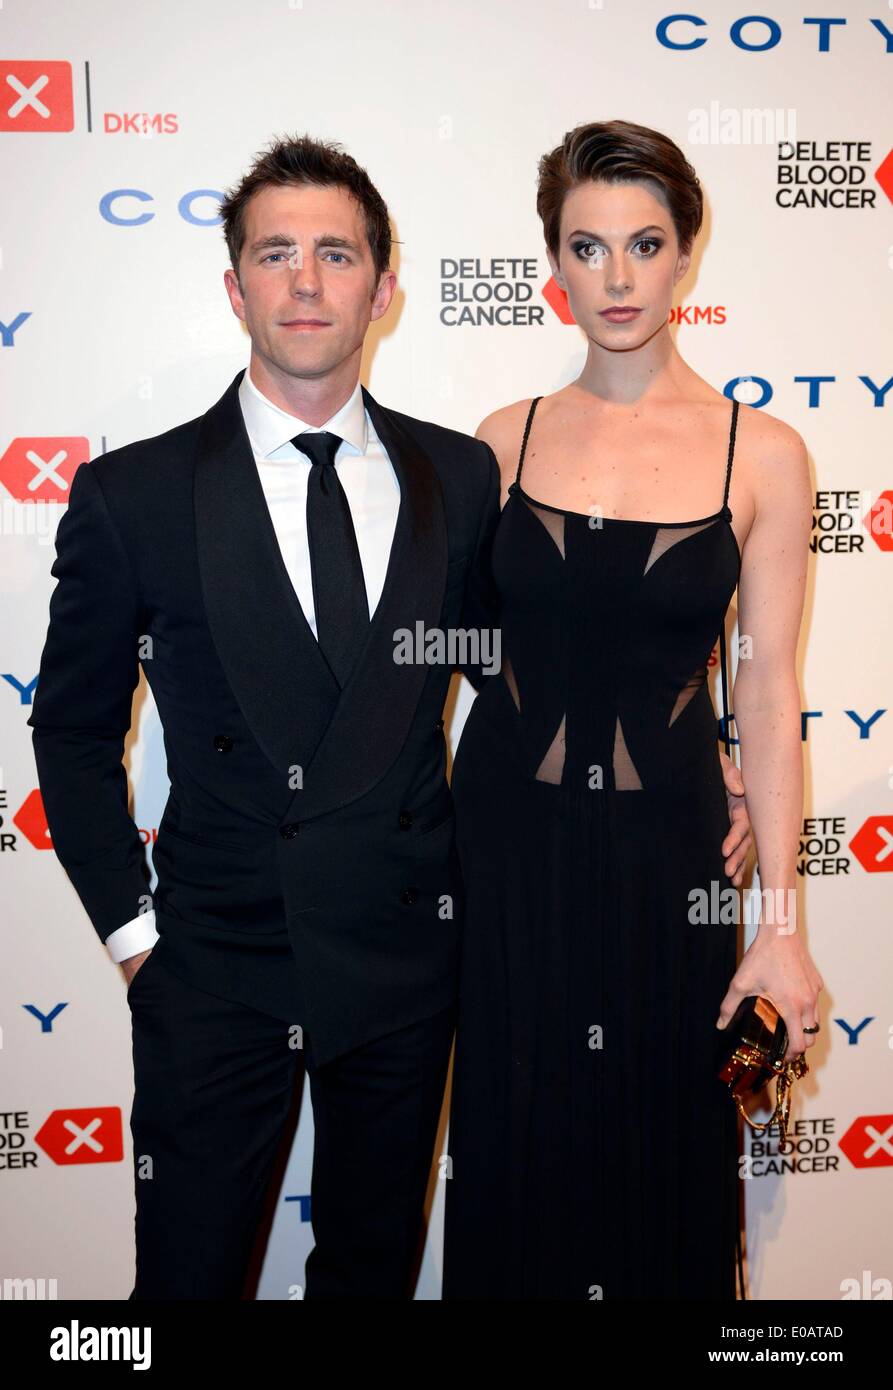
x=303, y=160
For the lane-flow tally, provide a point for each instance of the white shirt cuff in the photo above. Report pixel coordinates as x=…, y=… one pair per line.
x=135, y=936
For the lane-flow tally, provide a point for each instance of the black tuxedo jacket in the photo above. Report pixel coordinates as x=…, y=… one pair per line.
x=305, y=858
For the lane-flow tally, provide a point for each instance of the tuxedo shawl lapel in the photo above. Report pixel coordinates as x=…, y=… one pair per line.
x=268, y=652
x=376, y=707
x=343, y=741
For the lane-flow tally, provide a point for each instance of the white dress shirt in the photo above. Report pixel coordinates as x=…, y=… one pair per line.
x=373, y=495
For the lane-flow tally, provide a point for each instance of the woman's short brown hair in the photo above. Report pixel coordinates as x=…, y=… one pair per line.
x=300, y=160
x=619, y=152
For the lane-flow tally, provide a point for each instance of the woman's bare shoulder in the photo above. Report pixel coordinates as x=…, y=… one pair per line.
x=505, y=425
x=769, y=443
x=768, y=429
x=503, y=430
x=775, y=463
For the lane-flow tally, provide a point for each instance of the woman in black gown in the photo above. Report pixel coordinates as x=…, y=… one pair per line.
x=593, y=1150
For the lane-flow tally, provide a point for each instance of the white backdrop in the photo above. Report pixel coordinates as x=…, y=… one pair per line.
x=115, y=326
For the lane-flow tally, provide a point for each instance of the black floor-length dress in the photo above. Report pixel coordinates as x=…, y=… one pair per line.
x=593, y=1149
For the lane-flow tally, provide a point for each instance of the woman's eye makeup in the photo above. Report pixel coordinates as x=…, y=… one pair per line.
x=584, y=248
x=594, y=251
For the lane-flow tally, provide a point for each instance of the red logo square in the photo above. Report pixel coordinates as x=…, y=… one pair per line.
x=35, y=95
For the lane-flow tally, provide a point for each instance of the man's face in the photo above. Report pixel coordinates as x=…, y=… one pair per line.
x=308, y=287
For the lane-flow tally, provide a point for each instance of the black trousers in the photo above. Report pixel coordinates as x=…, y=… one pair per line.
x=213, y=1081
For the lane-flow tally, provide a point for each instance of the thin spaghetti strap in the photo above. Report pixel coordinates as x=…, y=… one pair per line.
x=725, y=497
x=517, y=483
x=726, y=731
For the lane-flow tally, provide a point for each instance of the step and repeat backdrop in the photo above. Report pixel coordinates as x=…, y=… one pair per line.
x=120, y=127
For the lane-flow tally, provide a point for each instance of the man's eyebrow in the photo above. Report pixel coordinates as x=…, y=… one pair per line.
x=597, y=236
x=277, y=239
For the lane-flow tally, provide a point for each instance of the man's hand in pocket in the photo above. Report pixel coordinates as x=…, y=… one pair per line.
x=132, y=964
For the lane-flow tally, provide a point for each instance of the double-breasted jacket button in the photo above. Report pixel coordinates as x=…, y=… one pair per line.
x=289, y=831
x=223, y=743
x=438, y=726
x=404, y=820
x=408, y=896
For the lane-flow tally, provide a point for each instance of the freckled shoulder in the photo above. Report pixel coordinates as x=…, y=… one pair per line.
x=503, y=430
x=773, y=459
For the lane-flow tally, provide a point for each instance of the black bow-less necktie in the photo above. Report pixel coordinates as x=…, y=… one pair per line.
x=339, y=590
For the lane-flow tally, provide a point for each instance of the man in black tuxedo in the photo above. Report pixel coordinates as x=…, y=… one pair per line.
x=259, y=562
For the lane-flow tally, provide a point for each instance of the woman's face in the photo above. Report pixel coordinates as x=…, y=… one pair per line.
x=618, y=249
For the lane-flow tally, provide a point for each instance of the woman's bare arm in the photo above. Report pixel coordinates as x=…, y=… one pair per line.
x=767, y=709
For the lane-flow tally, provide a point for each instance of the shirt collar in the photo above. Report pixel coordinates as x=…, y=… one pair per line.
x=269, y=426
